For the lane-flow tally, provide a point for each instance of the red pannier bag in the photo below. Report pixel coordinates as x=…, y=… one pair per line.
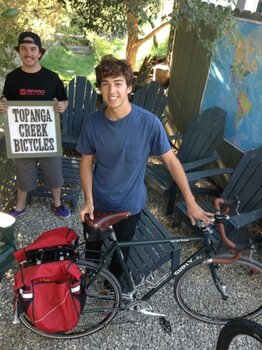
x=51, y=245
x=50, y=294
x=48, y=285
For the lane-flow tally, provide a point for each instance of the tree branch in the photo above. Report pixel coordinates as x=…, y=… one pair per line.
x=151, y=34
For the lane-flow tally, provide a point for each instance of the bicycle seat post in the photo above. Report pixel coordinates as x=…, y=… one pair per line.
x=112, y=233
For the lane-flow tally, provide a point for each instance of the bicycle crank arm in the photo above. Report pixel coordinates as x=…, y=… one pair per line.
x=150, y=313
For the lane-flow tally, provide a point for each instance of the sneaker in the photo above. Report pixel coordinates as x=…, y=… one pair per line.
x=62, y=211
x=16, y=213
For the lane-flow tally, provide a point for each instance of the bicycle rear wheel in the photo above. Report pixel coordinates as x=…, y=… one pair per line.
x=196, y=293
x=240, y=334
x=101, y=304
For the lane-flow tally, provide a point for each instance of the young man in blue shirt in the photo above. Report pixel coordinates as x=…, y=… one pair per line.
x=115, y=143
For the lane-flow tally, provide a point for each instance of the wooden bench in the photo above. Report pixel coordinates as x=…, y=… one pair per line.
x=71, y=188
x=145, y=259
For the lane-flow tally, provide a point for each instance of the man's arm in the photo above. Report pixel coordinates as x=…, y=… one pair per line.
x=86, y=175
x=176, y=170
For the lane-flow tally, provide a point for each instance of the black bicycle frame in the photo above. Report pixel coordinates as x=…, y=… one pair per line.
x=206, y=250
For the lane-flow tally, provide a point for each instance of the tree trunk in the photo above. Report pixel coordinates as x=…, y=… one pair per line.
x=132, y=39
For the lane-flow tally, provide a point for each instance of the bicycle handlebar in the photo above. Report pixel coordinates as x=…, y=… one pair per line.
x=219, y=217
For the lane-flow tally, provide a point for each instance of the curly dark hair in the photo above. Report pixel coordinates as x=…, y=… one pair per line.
x=111, y=66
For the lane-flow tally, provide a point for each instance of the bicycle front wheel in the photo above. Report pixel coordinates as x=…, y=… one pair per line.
x=102, y=300
x=240, y=334
x=196, y=293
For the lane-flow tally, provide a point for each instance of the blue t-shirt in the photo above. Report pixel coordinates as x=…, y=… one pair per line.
x=121, y=150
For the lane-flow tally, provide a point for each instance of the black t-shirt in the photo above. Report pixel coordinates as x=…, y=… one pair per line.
x=43, y=85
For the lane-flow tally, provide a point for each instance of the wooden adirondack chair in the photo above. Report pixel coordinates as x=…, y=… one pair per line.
x=198, y=148
x=152, y=97
x=245, y=183
x=81, y=101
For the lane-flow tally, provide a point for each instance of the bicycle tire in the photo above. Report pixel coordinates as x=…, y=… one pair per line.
x=240, y=334
x=197, y=295
x=100, y=307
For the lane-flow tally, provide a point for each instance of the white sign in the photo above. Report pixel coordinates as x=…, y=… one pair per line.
x=32, y=130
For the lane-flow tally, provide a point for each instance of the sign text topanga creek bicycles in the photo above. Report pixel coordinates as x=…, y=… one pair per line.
x=32, y=129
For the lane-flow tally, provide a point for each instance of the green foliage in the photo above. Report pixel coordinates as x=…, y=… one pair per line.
x=210, y=22
x=160, y=49
x=69, y=64
x=20, y=15
x=103, y=46
x=109, y=17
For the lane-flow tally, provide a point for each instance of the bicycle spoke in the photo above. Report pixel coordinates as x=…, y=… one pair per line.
x=197, y=294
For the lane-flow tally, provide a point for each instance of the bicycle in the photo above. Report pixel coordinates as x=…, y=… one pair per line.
x=209, y=287
x=240, y=334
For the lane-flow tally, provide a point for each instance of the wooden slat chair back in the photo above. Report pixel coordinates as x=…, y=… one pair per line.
x=203, y=135
x=246, y=181
x=198, y=148
x=82, y=99
x=152, y=97
x=246, y=184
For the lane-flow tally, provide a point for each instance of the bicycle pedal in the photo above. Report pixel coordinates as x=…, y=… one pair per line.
x=165, y=325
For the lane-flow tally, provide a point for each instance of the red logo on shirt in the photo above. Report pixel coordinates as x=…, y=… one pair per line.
x=31, y=92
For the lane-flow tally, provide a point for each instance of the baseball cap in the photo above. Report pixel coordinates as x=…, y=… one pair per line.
x=31, y=38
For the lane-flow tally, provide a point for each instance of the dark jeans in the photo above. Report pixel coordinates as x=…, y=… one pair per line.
x=125, y=231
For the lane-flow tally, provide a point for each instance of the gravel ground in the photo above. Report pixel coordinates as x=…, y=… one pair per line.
x=187, y=333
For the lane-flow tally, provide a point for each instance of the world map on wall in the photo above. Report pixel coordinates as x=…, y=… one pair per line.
x=235, y=84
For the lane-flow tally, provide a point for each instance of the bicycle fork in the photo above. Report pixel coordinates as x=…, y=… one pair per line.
x=213, y=266
x=220, y=286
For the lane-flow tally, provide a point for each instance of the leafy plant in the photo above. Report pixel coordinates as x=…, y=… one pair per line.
x=69, y=64
x=210, y=22
x=117, y=18
x=18, y=16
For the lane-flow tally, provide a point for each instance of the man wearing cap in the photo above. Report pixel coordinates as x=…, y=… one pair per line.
x=33, y=82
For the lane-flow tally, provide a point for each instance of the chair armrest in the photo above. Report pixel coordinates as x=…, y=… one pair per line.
x=202, y=174
x=200, y=163
x=245, y=219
